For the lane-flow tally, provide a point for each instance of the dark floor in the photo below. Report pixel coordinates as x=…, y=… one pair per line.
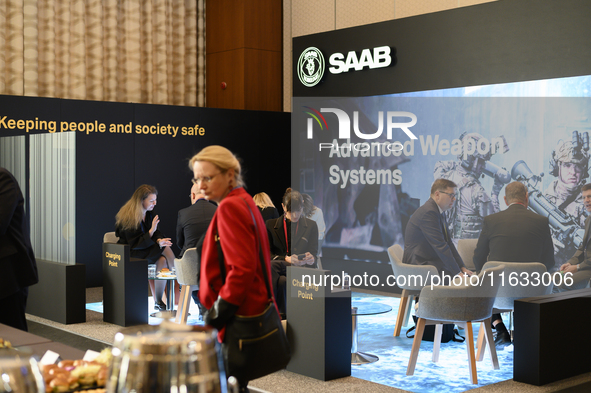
x=583, y=388
x=64, y=337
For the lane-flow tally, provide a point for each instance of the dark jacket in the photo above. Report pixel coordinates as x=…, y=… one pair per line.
x=192, y=223
x=141, y=245
x=17, y=261
x=582, y=256
x=515, y=235
x=305, y=240
x=269, y=213
x=425, y=243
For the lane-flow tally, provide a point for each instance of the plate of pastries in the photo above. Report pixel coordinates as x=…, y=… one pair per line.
x=165, y=272
x=77, y=375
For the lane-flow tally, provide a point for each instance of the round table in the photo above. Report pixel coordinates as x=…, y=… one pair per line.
x=170, y=311
x=364, y=308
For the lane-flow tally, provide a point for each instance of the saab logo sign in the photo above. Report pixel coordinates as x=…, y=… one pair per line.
x=345, y=123
x=311, y=63
x=311, y=67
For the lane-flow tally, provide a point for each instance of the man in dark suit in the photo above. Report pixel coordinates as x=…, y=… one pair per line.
x=426, y=240
x=18, y=268
x=514, y=235
x=580, y=264
x=194, y=220
x=192, y=223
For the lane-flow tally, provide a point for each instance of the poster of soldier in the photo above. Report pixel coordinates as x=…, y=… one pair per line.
x=369, y=162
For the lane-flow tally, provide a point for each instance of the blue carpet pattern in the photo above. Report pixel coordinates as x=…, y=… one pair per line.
x=375, y=336
x=450, y=374
x=193, y=319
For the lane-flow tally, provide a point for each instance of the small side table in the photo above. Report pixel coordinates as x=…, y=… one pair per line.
x=364, y=308
x=170, y=311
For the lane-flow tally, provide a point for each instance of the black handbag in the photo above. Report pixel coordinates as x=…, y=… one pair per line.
x=254, y=346
x=448, y=332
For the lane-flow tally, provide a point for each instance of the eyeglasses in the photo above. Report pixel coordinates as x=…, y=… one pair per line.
x=204, y=179
x=452, y=196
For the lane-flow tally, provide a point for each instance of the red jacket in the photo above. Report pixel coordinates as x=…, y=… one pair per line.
x=245, y=285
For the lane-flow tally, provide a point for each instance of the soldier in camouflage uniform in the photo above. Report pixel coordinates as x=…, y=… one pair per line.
x=473, y=203
x=569, y=164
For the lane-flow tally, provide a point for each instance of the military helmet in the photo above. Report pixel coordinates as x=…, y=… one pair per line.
x=475, y=137
x=566, y=151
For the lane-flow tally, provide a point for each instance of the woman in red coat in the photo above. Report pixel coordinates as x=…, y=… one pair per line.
x=217, y=173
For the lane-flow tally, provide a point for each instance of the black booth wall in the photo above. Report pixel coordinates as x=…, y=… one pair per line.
x=110, y=166
x=496, y=42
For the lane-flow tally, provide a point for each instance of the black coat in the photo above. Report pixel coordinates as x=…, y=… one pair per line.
x=269, y=213
x=17, y=261
x=305, y=240
x=141, y=245
x=515, y=235
x=192, y=223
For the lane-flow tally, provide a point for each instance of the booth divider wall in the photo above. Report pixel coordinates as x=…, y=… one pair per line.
x=119, y=146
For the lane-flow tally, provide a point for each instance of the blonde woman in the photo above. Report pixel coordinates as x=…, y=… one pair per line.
x=266, y=206
x=242, y=289
x=136, y=226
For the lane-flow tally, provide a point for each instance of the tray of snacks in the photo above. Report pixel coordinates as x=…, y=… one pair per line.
x=77, y=375
x=166, y=273
x=5, y=343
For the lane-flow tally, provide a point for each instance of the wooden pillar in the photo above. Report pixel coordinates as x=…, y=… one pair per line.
x=244, y=52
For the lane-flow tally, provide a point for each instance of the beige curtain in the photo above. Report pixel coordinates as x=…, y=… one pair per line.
x=148, y=51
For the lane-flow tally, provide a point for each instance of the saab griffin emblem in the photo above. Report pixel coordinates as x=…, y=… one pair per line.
x=311, y=67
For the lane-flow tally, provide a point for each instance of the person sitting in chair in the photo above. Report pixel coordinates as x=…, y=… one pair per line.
x=136, y=226
x=514, y=235
x=192, y=224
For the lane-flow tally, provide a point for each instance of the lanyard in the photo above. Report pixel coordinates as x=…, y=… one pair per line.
x=285, y=232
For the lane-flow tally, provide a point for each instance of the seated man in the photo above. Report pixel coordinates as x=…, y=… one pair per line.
x=192, y=223
x=426, y=239
x=514, y=235
x=580, y=264
x=293, y=239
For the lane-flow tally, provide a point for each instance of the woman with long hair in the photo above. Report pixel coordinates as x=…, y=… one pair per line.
x=242, y=290
x=136, y=226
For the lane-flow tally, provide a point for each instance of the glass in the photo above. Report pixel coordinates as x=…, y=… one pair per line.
x=205, y=179
x=151, y=271
x=187, y=360
x=347, y=282
x=452, y=196
x=20, y=372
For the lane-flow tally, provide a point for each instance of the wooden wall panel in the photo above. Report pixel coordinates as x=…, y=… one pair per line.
x=263, y=25
x=226, y=67
x=244, y=49
x=224, y=25
x=264, y=82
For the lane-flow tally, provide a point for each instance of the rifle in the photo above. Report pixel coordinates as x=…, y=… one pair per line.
x=565, y=227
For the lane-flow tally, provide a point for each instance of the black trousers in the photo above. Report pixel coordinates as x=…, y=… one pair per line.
x=195, y=296
x=279, y=280
x=12, y=309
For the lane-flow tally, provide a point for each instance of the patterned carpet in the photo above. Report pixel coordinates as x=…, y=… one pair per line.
x=450, y=374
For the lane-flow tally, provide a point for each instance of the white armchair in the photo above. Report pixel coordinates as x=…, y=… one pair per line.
x=186, y=275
